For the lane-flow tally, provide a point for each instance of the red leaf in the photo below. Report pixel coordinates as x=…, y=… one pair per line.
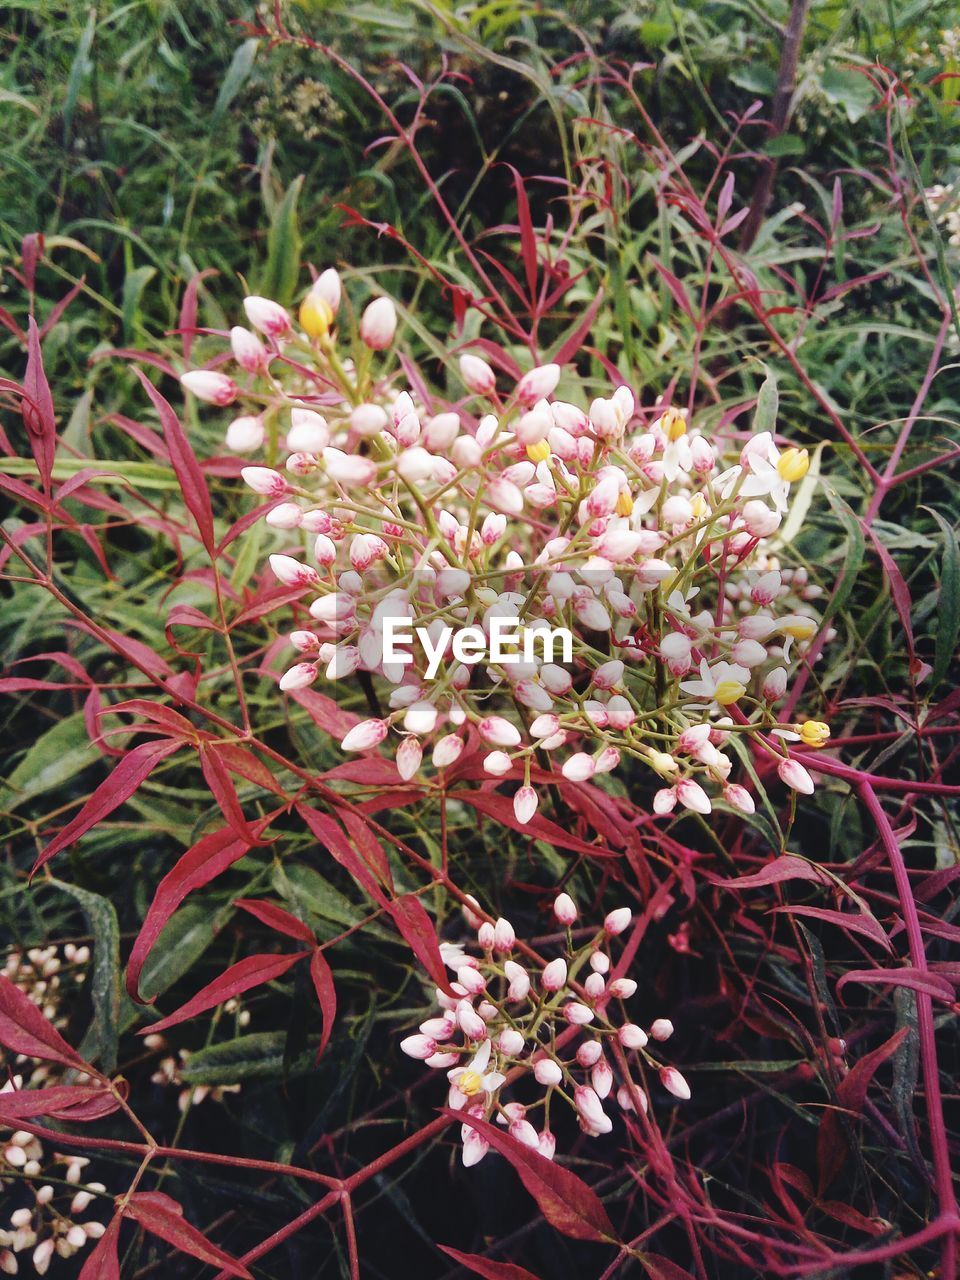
x=250, y=972
x=104, y=1262
x=224, y=792
x=863, y=923
x=410, y=917
x=336, y=843
x=24, y=1029
x=326, y=994
x=851, y=1095
x=538, y=828
x=918, y=980
x=661, y=1268
x=185, y=465
x=37, y=408
x=786, y=867
x=188, y=309
x=486, y=1267
x=133, y=768
x=60, y=1102
x=198, y=866
x=323, y=711
x=565, y=1200
x=528, y=239
x=367, y=845
x=162, y=1216
x=275, y=917
x=676, y=288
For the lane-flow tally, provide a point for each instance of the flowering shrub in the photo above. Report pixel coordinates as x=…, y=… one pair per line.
x=530, y=512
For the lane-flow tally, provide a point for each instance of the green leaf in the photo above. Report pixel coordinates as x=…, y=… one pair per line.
x=282, y=268
x=785, y=144
x=257, y=1056
x=948, y=627
x=55, y=757
x=133, y=286
x=235, y=78
x=79, y=69
x=848, y=89
x=755, y=77
x=100, y=1042
x=768, y=402
x=180, y=945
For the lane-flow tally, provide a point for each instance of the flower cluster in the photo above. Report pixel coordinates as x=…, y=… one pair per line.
x=49, y=1226
x=626, y=527
x=563, y=1033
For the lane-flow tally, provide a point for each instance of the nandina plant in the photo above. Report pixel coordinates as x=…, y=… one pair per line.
x=501, y=853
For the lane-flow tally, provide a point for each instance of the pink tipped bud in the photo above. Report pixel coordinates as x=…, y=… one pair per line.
x=621, y=714
x=287, y=515
x=477, y=375
x=503, y=495
x=589, y=1053
x=537, y=383
x=269, y=484
x=739, y=798
x=692, y=796
x=594, y=985
x=618, y=920
x=324, y=550
x=308, y=432
x=363, y=736
x=579, y=767
x=547, y=1145
x=599, y=962
x=378, y=324
x=607, y=760
x=298, y=677
x=759, y=520
x=554, y=975
x=628, y=1096
x=419, y=1046
x=547, y=1072
x=409, y=756
x=267, y=316
x=485, y=936
x=447, y=750
x=519, y=980
x=292, y=573
x=591, y=1111
x=470, y=1022
x=525, y=804
x=211, y=387
x=349, y=468
x=674, y=1083
x=497, y=763
x=775, y=684
x=578, y=1014
x=368, y=419
x=622, y=988
x=248, y=351
x=245, y=434
x=565, y=909
x=510, y=1042
x=609, y=675
x=504, y=935
x=601, y=1077
x=631, y=1036
x=493, y=528
x=661, y=1029
x=795, y=776
x=328, y=287
x=499, y=732
x=471, y=979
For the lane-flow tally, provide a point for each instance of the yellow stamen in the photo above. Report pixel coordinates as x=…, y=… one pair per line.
x=698, y=505
x=793, y=465
x=814, y=733
x=799, y=627
x=673, y=424
x=470, y=1083
x=316, y=316
x=538, y=452
x=729, y=691
x=624, y=503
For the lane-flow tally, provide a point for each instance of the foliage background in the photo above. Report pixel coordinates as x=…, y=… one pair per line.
x=153, y=140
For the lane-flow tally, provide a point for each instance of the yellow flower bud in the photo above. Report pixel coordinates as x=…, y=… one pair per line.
x=538, y=452
x=673, y=424
x=470, y=1083
x=316, y=315
x=698, y=505
x=728, y=692
x=793, y=465
x=797, y=626
x=624, y=503
x=814, y=733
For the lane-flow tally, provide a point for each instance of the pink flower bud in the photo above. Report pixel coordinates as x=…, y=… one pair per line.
x=504, y=935
x=365, y=550
x=578, y=1014
x=565, y=909
x=665, y=801
x=674, y=1083
x=524, y=1132
x=692, y=796
x=498, y=732
x=419, y=1046
x=503, y=495
x=368, y=419
x=409, y=756
x=248, y=351
x=594, y=985
x=739, y=798
x=519, y=980
x=475, y=1147
x=629, y=1095
x=211, y=387
x=245, y=434
x=510, y=1042
x=292, y=573
x=287, y=515
x=470, y=1022
x=554, y=975
x=547, y=1072
x=599, y=962
x=378, y=324
x=477, y=375
x=661, y=1029
x=607, y=760
x=328, y=287
x=609, y=675
x=631, y=1036
x=602, y=500
x=795, y=776
x=601, y=1077
x=621, y=714
x=758, y=519
x=618, y=920
x=298, y=677
x=415, y=464
x=440, y=432
x=579, y=767
x=589, y=1053
x=266, y=316
x=301, y=464
x=775, y=684
x=537, y=383
x=447, y=750
x=591, y=1111
x=471, y=979
x=622, y=988
x=497, y=763
x=485, y=936
x=364, y=736
x=269, y=484
x=349, y=468
x=525, y=803
x=555, y=679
